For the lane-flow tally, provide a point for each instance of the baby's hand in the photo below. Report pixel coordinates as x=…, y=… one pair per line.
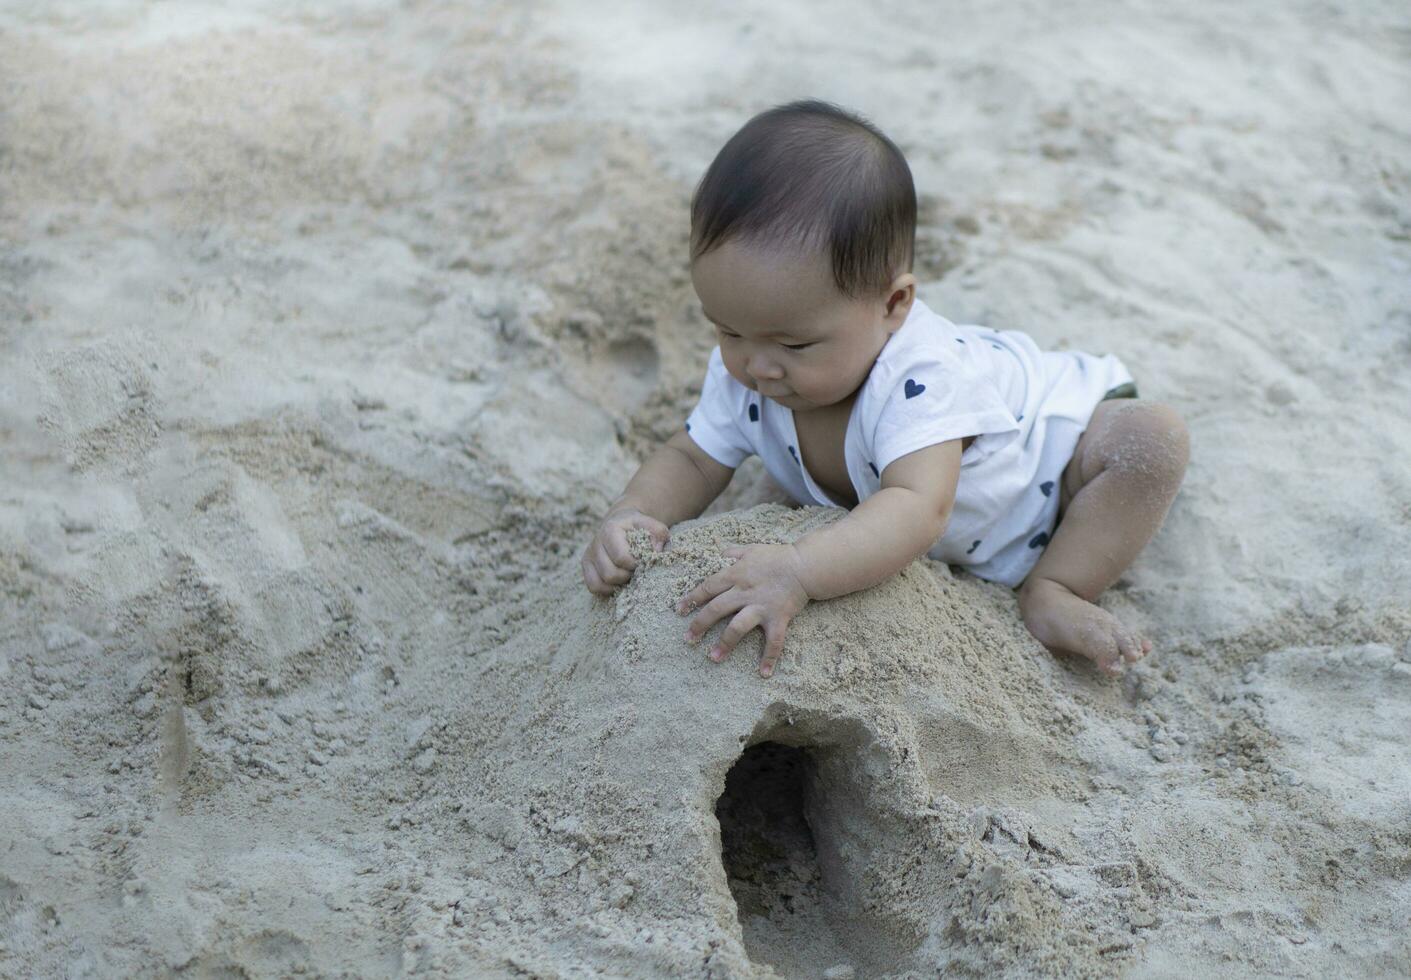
x=608, y=562
x=764, y=586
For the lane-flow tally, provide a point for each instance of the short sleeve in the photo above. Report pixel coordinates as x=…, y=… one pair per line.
x=932, y=399
x=715, y=422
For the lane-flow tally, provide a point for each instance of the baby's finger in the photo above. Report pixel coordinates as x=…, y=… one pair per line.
x=610, y=572
x=703, y=593
x=593, y=580
x=615, y=544
x=773, y=645
x=715, y=610
x=660, y=533
x=745, y=620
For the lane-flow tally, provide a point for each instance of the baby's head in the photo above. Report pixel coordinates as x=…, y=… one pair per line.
x=802, y=236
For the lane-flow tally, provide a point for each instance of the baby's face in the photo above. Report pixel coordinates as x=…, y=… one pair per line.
x=785, y=330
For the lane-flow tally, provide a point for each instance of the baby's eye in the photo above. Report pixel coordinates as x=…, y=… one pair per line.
x=730, y=336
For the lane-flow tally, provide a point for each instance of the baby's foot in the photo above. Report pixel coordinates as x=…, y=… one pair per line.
x=1067, y=623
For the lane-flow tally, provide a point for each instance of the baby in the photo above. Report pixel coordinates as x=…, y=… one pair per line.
x=1034, y=469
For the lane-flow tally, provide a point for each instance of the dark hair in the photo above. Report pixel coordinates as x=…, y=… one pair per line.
x=811, y=175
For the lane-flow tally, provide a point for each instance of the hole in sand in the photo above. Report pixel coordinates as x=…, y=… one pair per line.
x=794, y=849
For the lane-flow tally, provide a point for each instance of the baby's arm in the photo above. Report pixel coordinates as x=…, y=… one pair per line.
x=888, y=530
x=675, y=483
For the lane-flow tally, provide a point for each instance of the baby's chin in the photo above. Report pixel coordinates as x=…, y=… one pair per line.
x=797, y=402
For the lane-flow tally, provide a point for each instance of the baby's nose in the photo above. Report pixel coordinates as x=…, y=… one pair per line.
x=763, y=369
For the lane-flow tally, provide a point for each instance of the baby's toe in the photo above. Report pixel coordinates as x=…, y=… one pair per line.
x=1133, y=646
x=1109, y=658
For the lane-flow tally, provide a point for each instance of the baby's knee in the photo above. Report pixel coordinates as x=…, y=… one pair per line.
x=1152, y=440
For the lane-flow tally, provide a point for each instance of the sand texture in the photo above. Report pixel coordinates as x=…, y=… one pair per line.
x=328, y=331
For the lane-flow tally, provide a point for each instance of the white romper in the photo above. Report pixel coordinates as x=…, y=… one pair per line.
x=933, y=382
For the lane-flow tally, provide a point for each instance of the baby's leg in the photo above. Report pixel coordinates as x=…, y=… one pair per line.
x=1115, y=493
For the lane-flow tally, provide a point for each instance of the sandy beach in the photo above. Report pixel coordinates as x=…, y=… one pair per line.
x=329, y=331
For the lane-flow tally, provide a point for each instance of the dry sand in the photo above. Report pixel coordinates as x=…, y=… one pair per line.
x=326, y=337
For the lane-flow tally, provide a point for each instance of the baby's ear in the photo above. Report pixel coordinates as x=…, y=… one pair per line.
x=900, y=297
